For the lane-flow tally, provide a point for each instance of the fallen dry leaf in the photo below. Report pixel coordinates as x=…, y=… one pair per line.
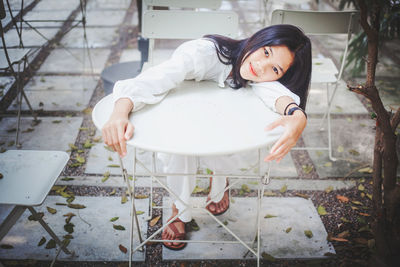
x=154, y=221
x=123, y=249
x=342, y=198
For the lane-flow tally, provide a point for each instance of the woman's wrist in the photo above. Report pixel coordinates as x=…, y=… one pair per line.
x=122, y=107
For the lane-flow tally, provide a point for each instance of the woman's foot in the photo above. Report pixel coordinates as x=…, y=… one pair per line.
x=220, y=207
x=174, y=231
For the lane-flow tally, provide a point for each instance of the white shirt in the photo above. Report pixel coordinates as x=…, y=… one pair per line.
x=193, y=60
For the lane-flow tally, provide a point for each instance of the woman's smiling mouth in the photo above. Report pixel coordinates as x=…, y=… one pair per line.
x=252, y=70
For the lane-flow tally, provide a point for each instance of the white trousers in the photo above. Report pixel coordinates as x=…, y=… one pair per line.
x=183, y=186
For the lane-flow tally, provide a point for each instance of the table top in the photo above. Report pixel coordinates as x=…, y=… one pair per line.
x=28, y=175
x=199, y=118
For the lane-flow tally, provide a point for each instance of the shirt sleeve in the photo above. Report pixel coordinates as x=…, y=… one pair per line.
x=269, y=92
x=191, y=60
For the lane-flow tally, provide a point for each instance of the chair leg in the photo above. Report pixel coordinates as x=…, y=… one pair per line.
x=19, y=98
x=10, y=220
x=49, y=231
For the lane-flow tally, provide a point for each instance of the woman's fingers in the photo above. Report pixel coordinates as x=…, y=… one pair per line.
x=121, y=141
x=115, y=140
x=129, y=131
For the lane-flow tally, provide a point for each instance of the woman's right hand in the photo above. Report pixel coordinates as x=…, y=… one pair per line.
x=118, y=129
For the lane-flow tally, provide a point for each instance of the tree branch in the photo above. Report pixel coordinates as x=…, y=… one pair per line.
x=395, y=119
x=364, y=17
x=359, y=89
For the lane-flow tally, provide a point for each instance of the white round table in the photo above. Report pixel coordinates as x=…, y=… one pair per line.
x=199, y=119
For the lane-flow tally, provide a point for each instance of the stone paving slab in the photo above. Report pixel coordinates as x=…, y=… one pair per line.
x=45, y=136
x=297, y=213
x=96, y=17
x=74, y=61
x=345, y=102
x=108, y=5
x=46, y=15
x=5, y=84
x=94, y=238
x=56, y=5
x=96, y=37
x=350, y=150
x=30, y=38
x=59, y=92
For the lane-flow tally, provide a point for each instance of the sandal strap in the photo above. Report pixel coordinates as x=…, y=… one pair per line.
x=177, y=234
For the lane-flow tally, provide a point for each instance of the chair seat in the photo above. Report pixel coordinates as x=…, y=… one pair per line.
x=199, y=118
x=28, y=175
x=323, y=70
x=16, y=55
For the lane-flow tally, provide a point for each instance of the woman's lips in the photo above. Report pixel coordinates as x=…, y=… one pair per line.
x=252, y=70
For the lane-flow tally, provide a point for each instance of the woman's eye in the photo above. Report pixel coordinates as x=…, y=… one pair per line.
x=266, y=52
x=275, y=70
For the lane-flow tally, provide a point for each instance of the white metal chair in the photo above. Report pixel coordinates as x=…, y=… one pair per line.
x=14, y=61
x=324, y=70
x=28, y=176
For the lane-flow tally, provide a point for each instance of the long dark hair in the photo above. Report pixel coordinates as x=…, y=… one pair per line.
x=297, y=77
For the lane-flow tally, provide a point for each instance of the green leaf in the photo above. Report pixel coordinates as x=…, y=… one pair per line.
x=343, y=219
x=139, y=212
x=308, y=233
x=356, y=202
x=80, y=159
x=76, y=206
x=269, y=216
x=106, y=175
x=70, y=199
x=113, y=165
x=32, y=218
x=51, y=210
x=225, y=222
x=354, y=152
x=139, y=196
x=340, y=149
x=67, y=179
x=369, y=196
x=113, y=219
x=69, y=228
x=6, y=246
x=267, y=257
x=245, y=188
x=198, y=189
x=42, y=241
x=109, y=148
x=366, y=170
x=88, y=144
x=269, y=194
x=124, y=199
x=283, y=189
x=110, y=158
x=361, y=187
x=288, y=230
x=113, y=192
x=328, y=189
x=193, y=226
x=118, y=227
x=56, y=121
x=73, y=147
x=328, y=164
x=69, y=216
x=209, y=171
x=68, y=236
x=321, y=210
x=307, y=168
x=61, y=204
x=51, y=244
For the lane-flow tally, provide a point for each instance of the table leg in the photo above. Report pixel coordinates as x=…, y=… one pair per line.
x=48, y=229
x=11, y=219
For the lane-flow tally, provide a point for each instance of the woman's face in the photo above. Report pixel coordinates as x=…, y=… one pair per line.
x=268, y=63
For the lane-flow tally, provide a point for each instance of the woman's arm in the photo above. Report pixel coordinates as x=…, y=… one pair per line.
x=118, y=128
x=294, y=125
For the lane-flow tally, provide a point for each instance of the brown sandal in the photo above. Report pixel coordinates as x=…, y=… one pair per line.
x=208, y=198
x=178, y=236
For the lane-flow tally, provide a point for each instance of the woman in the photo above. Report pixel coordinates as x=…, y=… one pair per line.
x=275, y=61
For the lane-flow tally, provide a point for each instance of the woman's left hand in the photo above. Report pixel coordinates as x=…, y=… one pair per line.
x=294, y=126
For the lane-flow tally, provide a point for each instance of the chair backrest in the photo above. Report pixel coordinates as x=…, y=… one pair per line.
x=211, y=4
x=319, y=22
x=183, y=24
x=187, y=24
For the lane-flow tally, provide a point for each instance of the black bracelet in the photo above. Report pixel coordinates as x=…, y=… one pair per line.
x=293, y=109
x=284, y=113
